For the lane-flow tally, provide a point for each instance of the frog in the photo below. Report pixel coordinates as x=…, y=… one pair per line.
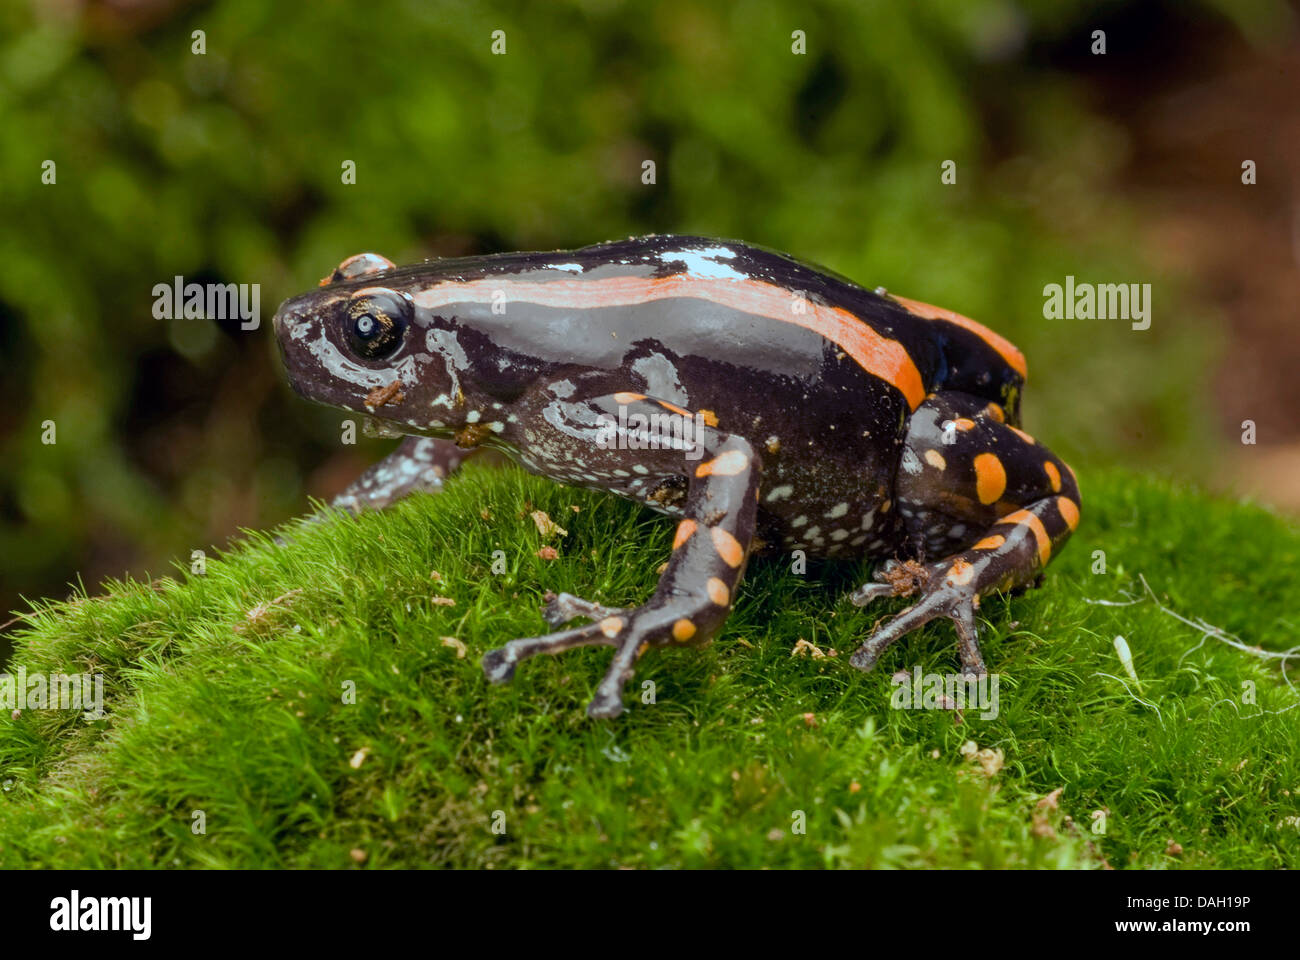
x=766, y=404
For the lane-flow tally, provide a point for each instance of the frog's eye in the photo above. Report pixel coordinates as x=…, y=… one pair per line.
x=375, y=323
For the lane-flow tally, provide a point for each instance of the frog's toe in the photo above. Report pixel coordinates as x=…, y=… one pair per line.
x=944, y=599
x=563, y=607
x=630, y=634
x=605, y=705
x=869, y=592
x=865, y=657
x=498, y=666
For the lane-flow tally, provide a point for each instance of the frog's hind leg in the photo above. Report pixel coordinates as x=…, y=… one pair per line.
x=968, y=480
x=695, y=592
x=417, y=464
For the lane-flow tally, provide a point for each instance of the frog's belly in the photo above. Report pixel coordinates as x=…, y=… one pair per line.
x=821, y=506
x=826, y=510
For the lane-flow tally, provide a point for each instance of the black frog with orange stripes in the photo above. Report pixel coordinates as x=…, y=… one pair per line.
x=760, y=400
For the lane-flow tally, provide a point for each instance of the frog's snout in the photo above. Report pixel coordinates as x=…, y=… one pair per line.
x=283, y=318
x=293, y=320
x=287, y=324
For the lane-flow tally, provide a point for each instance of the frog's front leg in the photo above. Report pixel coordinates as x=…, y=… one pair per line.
x=417, y=464
x=695, y=592
x=968, y=479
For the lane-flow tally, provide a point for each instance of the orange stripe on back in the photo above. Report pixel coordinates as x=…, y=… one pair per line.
x=1010, y=353
x=877, y=354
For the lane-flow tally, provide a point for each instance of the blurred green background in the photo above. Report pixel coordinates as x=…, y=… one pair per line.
x=226, y=166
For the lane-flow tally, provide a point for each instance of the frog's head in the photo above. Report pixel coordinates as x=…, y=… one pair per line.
x=354, y=342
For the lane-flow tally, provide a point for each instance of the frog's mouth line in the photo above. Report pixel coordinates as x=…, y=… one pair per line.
x=373, y=427
x=319, y=387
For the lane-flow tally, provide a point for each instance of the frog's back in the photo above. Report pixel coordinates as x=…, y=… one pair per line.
x=724, y=315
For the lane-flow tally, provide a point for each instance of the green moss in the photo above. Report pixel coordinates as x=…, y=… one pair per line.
x=245, y=720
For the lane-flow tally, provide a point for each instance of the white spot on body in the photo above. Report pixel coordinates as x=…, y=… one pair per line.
x=910, y=463
x=703, y=262
x=661, y=379
x=444, y=344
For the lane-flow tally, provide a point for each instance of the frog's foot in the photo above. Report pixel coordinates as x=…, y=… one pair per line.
x=499, y=664
x=1013, y=552
x=694, y=594
x=417, y=464
x=563, y=607
x=940, y=596
x=656, y=624
x=965, y=470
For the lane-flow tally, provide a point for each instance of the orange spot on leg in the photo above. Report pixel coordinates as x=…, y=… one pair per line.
x=685, y=530
x=724, y=465
x=683, y=630
x=728, y=547
x=990, y=543
x=1036, y=526
x=718, y=592
x=961, y=572
x=1053, y=475
x=1069, y=511
x=990, y=478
